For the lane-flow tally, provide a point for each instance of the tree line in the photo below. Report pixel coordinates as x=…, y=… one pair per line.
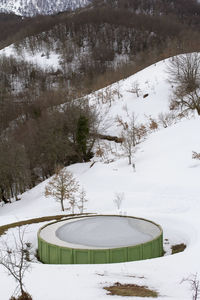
x=31, y=150
x=15, y=28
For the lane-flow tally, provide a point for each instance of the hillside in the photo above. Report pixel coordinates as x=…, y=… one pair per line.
x=89, y=89
x=90, y=49
x=164, y=188
x=31, y=8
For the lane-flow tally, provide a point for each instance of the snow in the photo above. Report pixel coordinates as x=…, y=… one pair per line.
x=100, y=232
x=33, y=7
x=164, y=188
x=122, y=102
x=39, y=58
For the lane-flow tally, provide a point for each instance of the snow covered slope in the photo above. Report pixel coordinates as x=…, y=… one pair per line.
x=165, y=188
x=44, y=7
x=39, y=58
x=119, y=101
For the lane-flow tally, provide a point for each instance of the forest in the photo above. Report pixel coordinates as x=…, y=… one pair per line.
x=44, y=121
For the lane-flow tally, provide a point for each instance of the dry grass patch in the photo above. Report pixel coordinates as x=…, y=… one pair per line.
x=178, y=248
x=130, y=290
x=4, y=228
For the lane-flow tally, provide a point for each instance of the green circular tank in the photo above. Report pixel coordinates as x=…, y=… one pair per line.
x=99, y=239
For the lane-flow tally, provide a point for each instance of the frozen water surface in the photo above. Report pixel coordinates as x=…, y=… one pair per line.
x=107, y=231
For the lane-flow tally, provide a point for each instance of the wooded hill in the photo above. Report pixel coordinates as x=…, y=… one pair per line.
x=97, y=45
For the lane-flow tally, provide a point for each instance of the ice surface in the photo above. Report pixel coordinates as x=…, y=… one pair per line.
x=107, y=231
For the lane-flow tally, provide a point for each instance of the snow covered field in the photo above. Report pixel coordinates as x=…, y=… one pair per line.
x=165, y=188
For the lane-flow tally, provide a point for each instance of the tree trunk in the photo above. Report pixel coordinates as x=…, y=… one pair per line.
x=198, y=110
x=62, y=205
x=3, y=198
x=21, y=289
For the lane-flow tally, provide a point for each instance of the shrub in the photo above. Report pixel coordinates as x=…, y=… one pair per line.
x=23, y=296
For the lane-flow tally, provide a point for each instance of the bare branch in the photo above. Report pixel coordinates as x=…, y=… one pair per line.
x=194, y=285
x=16, y=260
x=63, y=187
x=184, y=72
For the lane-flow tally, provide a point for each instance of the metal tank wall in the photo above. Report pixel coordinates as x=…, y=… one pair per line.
x=53, y=254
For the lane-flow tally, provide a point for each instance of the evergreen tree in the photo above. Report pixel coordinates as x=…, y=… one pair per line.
x=82, y=136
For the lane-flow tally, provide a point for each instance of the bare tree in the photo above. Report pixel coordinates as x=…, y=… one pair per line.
x=184, y=73
x=63, y=187
x=16, y=260
x=119, y=197
x=195, y=155
x=168, y=119
x=132, y=134
x=82, y=200
x=14, y=164
x=72, y=201
x=129, y=138
x=194, y=285
x=185, y=70
x=186, y=101
x=135, y=88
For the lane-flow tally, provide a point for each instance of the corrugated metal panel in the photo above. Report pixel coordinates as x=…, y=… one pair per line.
x=54, y=254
